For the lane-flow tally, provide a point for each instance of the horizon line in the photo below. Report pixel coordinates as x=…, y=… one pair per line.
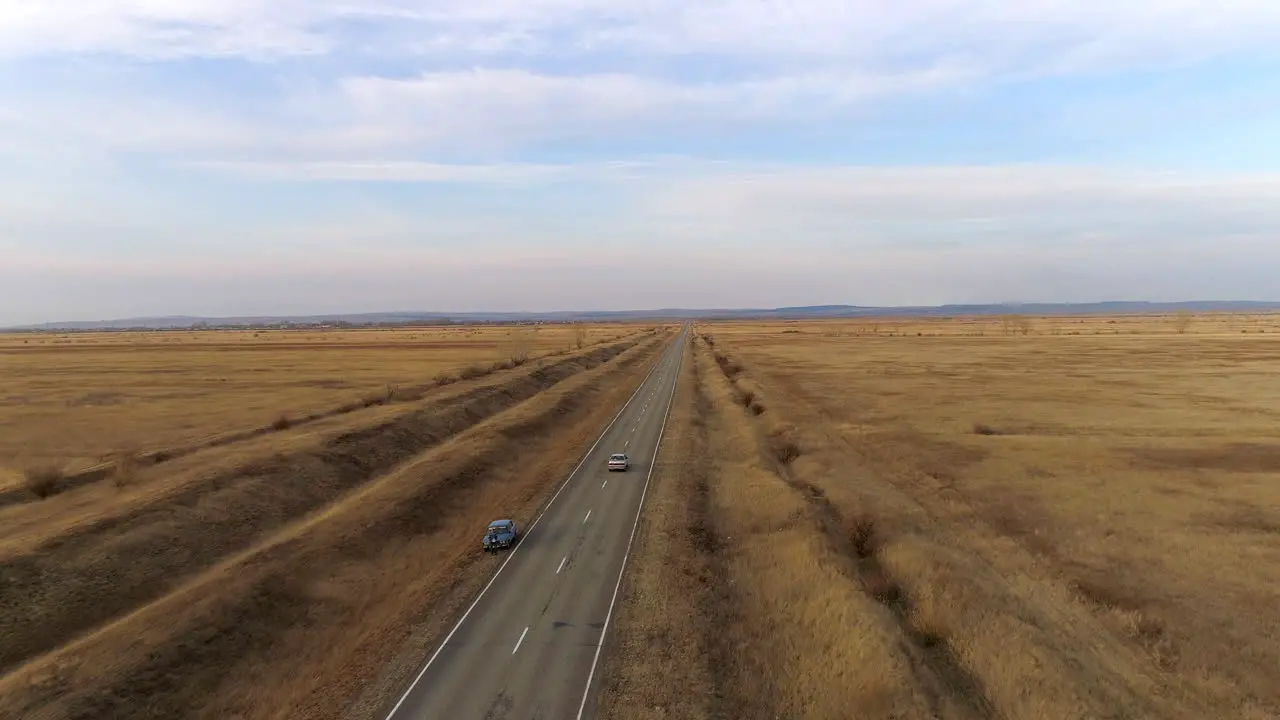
x=635, y=313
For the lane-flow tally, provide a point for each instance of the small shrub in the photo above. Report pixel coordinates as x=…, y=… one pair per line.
x=730, y=368
x=984, y=429
x=884, y=590
x=126, y=467
x=756, y=409
x=284, y=422
x=863, y=536
x=44, y=481
x=445, y=378
x=785, y=450
x=747, y=398
x=473, y=371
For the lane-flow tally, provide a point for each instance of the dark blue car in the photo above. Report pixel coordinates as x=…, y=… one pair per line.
x=501, y=534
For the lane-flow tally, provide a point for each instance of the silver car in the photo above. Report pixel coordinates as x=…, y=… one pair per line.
x=619, y=461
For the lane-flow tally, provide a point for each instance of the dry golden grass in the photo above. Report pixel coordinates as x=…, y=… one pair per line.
x=182, y=603
x=77, y=398
x=960, y=520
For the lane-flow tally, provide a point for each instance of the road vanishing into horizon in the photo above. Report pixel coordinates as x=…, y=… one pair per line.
x=530, y=646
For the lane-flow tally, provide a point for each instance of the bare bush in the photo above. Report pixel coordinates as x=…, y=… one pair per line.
x=1182, y=322
x=519, y=348
x=862, y=533
x=124, y=467
x=472, y=371
x=43, y=480
x=730, y=368
x=785, y=450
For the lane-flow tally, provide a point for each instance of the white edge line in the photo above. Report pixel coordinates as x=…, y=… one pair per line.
x=609, y=616
x=519, y=545
x=521, y=640
x=588, y=517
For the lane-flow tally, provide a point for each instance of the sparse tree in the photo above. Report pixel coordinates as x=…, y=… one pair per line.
x=1023, y=324
x=579, y=335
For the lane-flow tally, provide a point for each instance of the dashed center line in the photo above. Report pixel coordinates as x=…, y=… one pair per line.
x=517, y=647
x=562, y=562
x=606, y=482
x=584, y=520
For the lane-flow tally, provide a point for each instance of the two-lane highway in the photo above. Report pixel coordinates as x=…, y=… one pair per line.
x=529, y=646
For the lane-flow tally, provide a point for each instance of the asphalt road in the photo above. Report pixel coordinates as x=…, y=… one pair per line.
x=530, y=645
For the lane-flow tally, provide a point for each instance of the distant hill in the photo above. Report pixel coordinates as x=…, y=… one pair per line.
x=799, y=312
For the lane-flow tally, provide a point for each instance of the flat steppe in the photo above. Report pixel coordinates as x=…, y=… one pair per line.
x=1023, y=518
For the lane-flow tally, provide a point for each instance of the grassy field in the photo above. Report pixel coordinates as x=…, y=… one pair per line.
x=342, y=544
x=1046, y=518
x=72, y=400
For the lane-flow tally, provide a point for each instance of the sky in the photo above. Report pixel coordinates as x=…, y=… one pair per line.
x=232, y=157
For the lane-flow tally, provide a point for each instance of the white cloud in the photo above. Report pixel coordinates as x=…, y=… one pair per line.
x=682, y=203
x=998, y=204
x=501, y=108
x=393, y=171
x=1076, y=35
x=663, y=65
x=481, y=111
